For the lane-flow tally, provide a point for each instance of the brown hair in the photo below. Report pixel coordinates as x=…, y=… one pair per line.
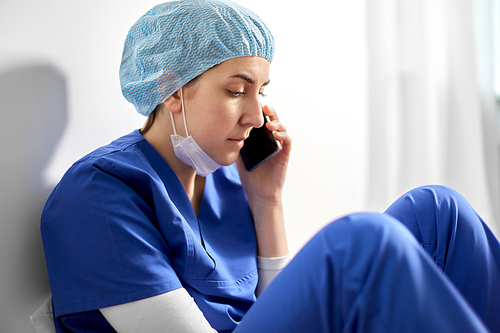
x=149, y=122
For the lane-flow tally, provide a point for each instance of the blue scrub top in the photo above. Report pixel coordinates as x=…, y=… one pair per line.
x=119, y=227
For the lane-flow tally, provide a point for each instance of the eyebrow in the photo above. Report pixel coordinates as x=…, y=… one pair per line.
x=248, y=78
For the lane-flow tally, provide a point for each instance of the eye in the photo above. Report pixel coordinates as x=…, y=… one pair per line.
x=262, y=94
x=236, y=93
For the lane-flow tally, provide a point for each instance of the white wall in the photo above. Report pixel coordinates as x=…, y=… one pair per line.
x=318, y=86
x=60, y=98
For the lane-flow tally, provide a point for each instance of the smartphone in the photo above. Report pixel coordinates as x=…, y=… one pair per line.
x=259, y=146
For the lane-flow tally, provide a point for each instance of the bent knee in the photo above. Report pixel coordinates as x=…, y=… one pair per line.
x=425, y=203
x=366, y=230
x=436, y=195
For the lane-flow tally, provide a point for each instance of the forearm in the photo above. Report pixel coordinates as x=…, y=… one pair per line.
x=264, y=187
x=269, y=228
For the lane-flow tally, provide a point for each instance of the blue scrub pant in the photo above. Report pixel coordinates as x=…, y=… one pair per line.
x=428, y=264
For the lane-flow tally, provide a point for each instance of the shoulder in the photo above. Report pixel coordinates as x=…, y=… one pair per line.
x=119, y=167
x=123, y=158
x=126, y=150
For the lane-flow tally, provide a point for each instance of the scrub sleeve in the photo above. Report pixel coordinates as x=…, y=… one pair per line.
x=367, y=273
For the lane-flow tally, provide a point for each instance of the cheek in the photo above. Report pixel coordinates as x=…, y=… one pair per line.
x=216, y=118
x=211, y=118
x=207, y=125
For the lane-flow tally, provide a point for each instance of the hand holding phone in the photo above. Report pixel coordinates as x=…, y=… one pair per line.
x=259, y=146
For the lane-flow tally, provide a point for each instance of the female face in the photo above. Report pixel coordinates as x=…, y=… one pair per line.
x=222, y=106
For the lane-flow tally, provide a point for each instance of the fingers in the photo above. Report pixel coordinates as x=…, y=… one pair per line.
x=276, y=126
x=270, y=112
x=284, y=139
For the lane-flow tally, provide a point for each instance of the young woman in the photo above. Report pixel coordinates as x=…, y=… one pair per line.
x=163, y=230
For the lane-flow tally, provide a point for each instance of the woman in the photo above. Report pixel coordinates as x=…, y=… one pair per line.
x=149, y=215
x=165, y=230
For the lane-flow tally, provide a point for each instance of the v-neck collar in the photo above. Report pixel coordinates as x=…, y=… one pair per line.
x=172, y=184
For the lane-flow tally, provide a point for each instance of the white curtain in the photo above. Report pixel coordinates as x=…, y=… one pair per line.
x=425, y=105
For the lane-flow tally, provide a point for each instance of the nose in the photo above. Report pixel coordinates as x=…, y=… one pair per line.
x=253, y=114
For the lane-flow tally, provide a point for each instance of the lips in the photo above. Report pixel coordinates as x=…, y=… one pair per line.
x=239, y=142
x=242, y=138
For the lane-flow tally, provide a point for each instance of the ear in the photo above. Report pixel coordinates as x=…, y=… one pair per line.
x=173, y=103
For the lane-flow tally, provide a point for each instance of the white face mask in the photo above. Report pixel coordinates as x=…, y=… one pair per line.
x=188, y=151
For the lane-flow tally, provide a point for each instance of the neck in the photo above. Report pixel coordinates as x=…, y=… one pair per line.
x=159, y=137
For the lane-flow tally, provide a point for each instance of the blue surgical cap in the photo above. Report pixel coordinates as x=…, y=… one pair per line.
x=176, y=41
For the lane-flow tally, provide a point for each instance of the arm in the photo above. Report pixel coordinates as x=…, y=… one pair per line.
x=264, y=187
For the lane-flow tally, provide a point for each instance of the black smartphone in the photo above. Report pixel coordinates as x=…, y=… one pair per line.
x=259, y=146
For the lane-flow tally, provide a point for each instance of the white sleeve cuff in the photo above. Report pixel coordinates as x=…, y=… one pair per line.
x=268, y=269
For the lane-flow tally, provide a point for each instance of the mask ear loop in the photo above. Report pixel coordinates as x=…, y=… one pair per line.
x=183, y=116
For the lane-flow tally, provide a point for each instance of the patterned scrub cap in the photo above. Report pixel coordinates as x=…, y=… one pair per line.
x=176, y=41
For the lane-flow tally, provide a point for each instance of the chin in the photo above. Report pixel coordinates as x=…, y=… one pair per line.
x=228, y=160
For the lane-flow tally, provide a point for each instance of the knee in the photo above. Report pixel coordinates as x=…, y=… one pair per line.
x=433, y=195
x=436, y=193
x=365, y=232
x=431, y=201
x=434, y=214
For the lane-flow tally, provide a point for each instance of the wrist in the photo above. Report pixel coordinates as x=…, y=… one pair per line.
x=266, y=211
x=265, y=204
x=270, y=228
